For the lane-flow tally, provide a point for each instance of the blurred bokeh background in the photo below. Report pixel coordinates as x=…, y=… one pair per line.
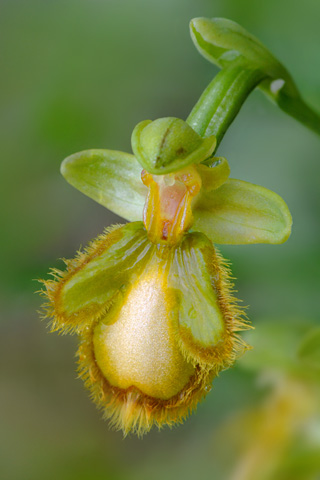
x=79, y=74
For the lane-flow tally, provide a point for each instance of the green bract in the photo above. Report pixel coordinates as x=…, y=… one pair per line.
x=226, y=211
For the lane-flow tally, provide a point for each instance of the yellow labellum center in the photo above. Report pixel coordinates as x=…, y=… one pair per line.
x=139, y=348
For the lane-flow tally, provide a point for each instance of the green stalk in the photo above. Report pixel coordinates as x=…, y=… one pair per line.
x=246, y=63
x=222, y=99
x=298, y=109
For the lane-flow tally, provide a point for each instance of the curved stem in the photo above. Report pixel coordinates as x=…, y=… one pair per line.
x=222, y=99
x=246, y=63
x=298, y=109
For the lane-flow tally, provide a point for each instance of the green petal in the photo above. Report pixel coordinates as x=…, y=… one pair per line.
x=109, y=177
x=240, y=213
x=214, y=174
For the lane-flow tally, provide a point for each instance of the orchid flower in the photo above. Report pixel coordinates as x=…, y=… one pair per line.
x=152, y=300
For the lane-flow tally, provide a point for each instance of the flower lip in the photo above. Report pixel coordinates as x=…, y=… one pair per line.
x=156, y=324
x=169, y=144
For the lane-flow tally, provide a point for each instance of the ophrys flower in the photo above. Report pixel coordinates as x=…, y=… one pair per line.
x=151, y=300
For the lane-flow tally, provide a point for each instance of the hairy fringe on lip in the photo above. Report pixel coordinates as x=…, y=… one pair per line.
x=50, y=310
x=130, y=410
x=231, y=346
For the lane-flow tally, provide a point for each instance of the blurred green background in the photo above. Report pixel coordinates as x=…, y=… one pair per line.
x=79, y=74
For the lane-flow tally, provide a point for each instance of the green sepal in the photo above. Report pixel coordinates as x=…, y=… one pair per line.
x=109, y=177
x=241, y=213
x=169, y=144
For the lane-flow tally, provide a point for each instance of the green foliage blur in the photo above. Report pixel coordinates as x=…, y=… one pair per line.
x=79, y=74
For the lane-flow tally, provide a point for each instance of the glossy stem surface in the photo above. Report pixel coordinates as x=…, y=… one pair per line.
x=298, y=109
x=222, y=99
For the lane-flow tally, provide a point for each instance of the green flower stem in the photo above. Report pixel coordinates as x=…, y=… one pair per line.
x=298, y=109
x=221, y=101
x=246, y=63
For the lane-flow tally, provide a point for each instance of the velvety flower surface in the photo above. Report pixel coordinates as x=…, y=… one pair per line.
x=152, y=300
